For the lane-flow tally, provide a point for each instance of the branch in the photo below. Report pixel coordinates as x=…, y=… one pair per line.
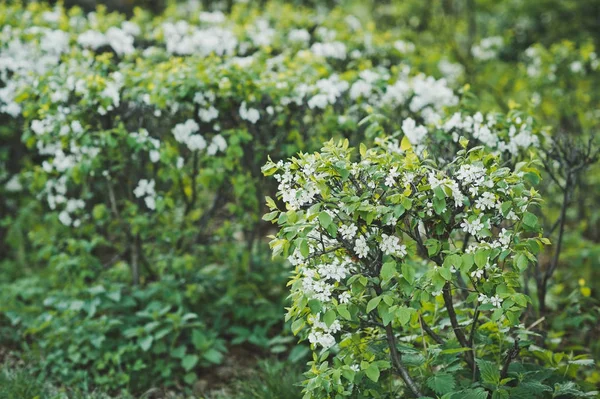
x=430, y=332
x=472, y=335
x=190, y=204
x=460, y=335
x=510, y=356
x=395, y=356
x=561, y=230
x=135, y=271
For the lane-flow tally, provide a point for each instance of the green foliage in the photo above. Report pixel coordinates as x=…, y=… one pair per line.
x=132, y=235
x=16, y=383
x=272, y=380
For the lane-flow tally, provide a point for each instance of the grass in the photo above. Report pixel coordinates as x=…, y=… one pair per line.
x=21, y=384
x=271, y=380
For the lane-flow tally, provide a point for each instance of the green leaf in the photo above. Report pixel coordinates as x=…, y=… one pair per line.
x=520, y=261
x=439, y=205
x=387, y=315
x=213, y=356
x=506, y=206
x=363, y=150
x=441, y=383
x=297, y=326
x=270, y=216
x=324, y=219
x=520, y=299
x=146, y=342
x=489, y=372
x=405, y=144
x=467, y=262
x=343, y=311
x=453, y=260
x=372, y=372
x=315, y=306
x=387, y=271
x=478, y=393
x=530, y=220
x=453, y=351
x=481, y=257
x=179, y=352
x=433, y=246
x=373, y=303
x=500, y=394
x=445, y=273
x=406, y=203
x=403, y=314
x=496, y=314
x=199, y=339
x=304, y=250
x=189, y=361
x=329, y=317
x=408, y=272
x=439, y=193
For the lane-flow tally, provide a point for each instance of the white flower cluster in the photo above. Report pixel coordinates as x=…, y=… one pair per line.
x=56, y=191
x=143, y=137
x=321, y=279
x=330, y=50
x=473, y=227
x=185, y=133
x=321, y=334
x=348, y=231
x=486, y=201
x=495, y=300
x=428, y=96
x=452, y=71
x=519, y=135
x=365, y=86
x=293, y=195
x=361, y=248
x=120, y=39
x=534, y=64
x=328, y=91
x=390, y=245
x=448, y=182
x=145, y=189
x=404, y=47
x=470, y=174
x=488, y=48
x=249, y=114
x=184, y=39
x=21, y=62
x=72, y=206
x=415, y=133
x=299, y=36
x=431, y=96
x=390, y=179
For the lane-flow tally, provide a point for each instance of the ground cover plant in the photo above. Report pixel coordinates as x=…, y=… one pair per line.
x=425, y=172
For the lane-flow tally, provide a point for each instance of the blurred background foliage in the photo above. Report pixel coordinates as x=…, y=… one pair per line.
x=200, y=320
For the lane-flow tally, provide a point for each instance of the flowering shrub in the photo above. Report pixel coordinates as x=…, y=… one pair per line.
x=106, y=88
x=408, y=270
x=141, y=142
x=131, y=163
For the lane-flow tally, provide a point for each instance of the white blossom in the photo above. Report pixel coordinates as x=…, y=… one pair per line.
x=249, y=114
x=361, y=248
x=348, y=231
